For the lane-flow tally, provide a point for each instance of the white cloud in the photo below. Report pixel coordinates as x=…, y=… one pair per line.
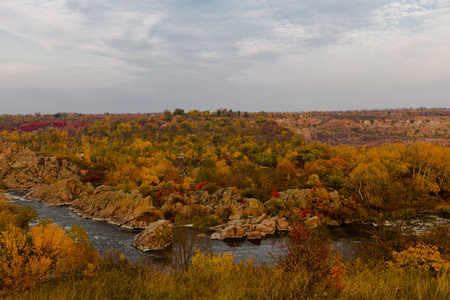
x=18, y=68
x=241, y=48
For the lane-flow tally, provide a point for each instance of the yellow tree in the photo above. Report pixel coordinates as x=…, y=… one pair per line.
x=429, y=167
x=369, y=180
x=46, y=251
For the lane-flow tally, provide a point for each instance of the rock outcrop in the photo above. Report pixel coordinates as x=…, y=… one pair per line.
x=56, y=182
x=156, y=236
x=253, y=207
x=295, y=197
x=312, y=222
x=129, y=210
x=62, y=192
x=24, y=169
x=252, y=228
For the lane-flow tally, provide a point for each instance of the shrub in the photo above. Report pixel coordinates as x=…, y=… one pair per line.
x=310, y=251
x=440, y=237
x=443, y=208
x=14, y=214
x=274, y=206
x=211, y=187
x=253, y=193
x=126, y=187
x=422, y=257
x=313, y=180
x=186, y=242
x=225, y=213
x=147, y=190
x=381, y=241
x=403, y=214
x=206, y=221
x=113, y=259
x=46, y=251
x=319, y=199
x=213, y=265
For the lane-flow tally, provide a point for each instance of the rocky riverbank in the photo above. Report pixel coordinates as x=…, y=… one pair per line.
x=56, y=182
x=23, y=169
x=129, y=210
x=240, y=217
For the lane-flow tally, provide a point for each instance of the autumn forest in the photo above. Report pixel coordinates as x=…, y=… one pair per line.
x=227, y=168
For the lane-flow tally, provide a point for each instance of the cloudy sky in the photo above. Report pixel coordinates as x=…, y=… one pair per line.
x=95, y=56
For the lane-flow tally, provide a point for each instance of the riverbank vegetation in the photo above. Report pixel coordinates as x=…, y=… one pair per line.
x=257, y=153
x=30, y=255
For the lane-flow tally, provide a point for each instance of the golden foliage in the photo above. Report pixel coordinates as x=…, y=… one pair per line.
x=319, y=199
x=422, y=257
x=47, y=250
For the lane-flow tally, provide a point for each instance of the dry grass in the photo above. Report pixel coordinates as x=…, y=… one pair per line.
x=245, y=281
x=382, y=282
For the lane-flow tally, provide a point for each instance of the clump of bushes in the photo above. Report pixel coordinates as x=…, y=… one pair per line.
x=310, y=251
x=213, y=265
x=28, y=257
x=253, y=192
x=274, y=206
x=443, y=208
x=421, y=256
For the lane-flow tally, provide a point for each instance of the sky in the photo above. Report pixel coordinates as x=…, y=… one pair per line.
x=96, y=56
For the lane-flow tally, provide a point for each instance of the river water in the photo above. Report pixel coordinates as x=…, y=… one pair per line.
x=105, y=236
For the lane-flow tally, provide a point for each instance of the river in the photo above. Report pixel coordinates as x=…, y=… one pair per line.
x=105, y=236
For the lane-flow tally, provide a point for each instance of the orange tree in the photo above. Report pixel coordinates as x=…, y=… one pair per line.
x=46, y=251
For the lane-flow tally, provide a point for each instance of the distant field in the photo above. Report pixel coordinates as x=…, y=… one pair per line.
x=372, y=128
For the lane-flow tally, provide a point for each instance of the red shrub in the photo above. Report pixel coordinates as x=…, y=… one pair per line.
x=311, y=251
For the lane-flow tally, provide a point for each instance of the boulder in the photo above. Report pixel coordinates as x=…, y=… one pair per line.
x=253, y=207
x=172, y=198
x=249, y=228
x=129, y=210
x=271, y=224
x=62, y=192
x=172, y=208
x=235, y=217
x=331, y=223
x=282, y=224
x=216, y=236
x=233, y=232
x=156, y=236
x=255, y=235
x=264, y=229
x=226, y=200
x=146, y=215
x=259, y=219
x=193, y=210
x=312, y=222
x=199, y=197
x=296, y=197
x=335, y=200
x=103, y=188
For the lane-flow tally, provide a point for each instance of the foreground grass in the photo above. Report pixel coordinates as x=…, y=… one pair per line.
x=261, y=284
x=382, y=282
x=243, y=281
